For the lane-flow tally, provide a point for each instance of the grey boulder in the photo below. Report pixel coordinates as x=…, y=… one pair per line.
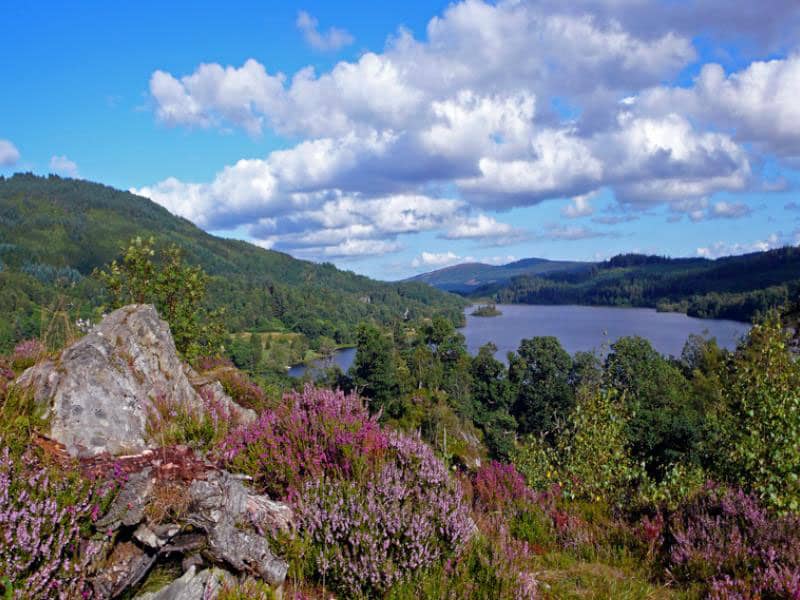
x=98, y=393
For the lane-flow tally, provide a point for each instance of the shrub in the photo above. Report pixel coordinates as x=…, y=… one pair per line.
x=590, y=458
x=7, y=375
x=172, y=422
x=243, y=391
x=176, y=289
x=727, y=538
x=494, y=566
x=313, y=433
x=40, y=521
x=763, y=424
x=26, y=353
x=499, y=486
x=403, y=516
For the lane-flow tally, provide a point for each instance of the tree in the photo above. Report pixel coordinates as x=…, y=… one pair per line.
x=492, y=395
x=762, y=427
x=177, y=290
x=491, y=389
x=666, y=423
x=374, y=371
x=540, y=373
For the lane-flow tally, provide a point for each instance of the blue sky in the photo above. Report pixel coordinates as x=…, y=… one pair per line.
x=394, y=138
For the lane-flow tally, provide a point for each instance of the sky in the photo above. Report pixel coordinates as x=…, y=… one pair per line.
x=395, y=138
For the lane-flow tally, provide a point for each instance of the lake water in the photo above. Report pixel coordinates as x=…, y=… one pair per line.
x=581, y=328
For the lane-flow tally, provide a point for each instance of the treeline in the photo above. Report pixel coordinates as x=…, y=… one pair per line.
x=54, y=232
x=736, y=287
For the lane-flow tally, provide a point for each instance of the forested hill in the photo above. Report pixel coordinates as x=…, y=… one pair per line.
x=465, y=278
x=55, y=231
x=733, y=287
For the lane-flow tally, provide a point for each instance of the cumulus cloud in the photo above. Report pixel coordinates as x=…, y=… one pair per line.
x=557, y=232
x=436, y=259
x=759, y=103
x=63, y=166
x=730, y=210
x=774, y=240
x=468, y=107
x=579, y=206
x=9, y=155
x=484, y=228
x=333, y=39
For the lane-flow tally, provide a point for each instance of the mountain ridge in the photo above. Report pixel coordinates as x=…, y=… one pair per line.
x=55, y=231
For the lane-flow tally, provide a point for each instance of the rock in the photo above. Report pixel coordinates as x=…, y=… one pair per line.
x=128, y=507
x=220, y=505
x=98, y=394
x=147, y=536
x=215, y=395
x=222, y=522
x=192, y=585
x=126, y=567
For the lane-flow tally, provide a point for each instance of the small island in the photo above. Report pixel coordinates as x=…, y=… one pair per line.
x=486, y=310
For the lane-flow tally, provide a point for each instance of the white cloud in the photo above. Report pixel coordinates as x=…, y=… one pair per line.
x=9, y=155
x=557, y=232
x=774, y=240
x=436, y=259
x=759, y=103
x=333, y=39
x=469, y=108
x=579, y=206
x=730, y=210
x=63, y=166
x=480, y=227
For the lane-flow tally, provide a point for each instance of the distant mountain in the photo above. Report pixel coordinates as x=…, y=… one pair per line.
x=733, y=287
x=55, y=231
x=465, y=278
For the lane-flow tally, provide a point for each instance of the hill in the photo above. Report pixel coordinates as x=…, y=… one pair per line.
x=733, y=287
x=55, y=231
x=465, y=278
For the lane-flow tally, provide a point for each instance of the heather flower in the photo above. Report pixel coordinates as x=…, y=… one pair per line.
x=404, y=516
x=314, y=433
x=499, y=486
x=40, y=550
x=727, y=538
x=26, y=353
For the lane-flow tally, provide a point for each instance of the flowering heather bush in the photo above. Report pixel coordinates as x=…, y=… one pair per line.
x=314, y=433
x=171, y=422
x=26, y=353
x=727, y=538
x=6, y=376
x=498, y=486
x=403, y=516
x=39, y=536
x=239, y=387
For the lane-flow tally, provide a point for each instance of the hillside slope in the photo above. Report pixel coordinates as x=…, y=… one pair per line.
x=465, y=278
x=734, y=287
x=55, y=231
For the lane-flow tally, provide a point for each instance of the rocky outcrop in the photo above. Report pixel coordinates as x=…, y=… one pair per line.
x=211, y=521
x=193, y=586
x=97, y=395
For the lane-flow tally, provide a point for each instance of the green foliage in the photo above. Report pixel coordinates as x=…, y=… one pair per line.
x=492, y=395
x=540, y=372
x=589, y=458
x=666, y=420
x=52, y=228
x=486, y=310
x=734, y=287
x=176, y=289
x=250, y=589
x=374, y=369
x=762, y=427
